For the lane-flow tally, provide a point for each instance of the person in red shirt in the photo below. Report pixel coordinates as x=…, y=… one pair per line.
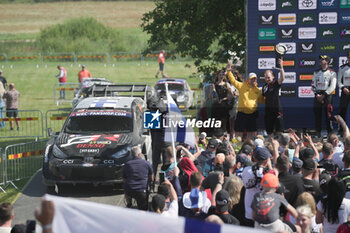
x=84, y=73
x=161, y=61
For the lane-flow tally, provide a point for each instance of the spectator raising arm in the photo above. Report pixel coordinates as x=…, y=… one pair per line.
x=343, y=125
x=46, y=215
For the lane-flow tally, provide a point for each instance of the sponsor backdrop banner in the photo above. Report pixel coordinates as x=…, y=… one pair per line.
x=308, y=28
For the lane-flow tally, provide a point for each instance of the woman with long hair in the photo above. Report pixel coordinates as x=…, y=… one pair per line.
x=234, y=186
x=334, y=209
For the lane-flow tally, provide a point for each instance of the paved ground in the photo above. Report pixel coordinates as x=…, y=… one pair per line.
x=30, y=198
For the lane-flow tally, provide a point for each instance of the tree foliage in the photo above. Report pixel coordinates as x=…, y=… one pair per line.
x=204, y=29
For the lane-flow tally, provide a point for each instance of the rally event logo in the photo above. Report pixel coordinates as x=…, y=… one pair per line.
x=266, y=63
x=328, y=18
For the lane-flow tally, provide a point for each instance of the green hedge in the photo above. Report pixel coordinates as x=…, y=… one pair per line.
x=81, y=34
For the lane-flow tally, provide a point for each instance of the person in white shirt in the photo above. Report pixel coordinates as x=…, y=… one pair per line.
x=334, y=209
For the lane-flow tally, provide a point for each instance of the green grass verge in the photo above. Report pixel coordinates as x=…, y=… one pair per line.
x=12, y=193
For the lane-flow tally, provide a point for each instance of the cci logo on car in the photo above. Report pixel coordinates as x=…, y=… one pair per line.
x=151, y=120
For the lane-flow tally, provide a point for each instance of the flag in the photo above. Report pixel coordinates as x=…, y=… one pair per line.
x=177, y=125
x=75, y=216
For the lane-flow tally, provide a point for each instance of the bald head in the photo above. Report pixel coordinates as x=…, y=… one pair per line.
x=219, y=158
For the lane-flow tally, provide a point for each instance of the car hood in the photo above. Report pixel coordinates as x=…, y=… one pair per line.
x=102, y=145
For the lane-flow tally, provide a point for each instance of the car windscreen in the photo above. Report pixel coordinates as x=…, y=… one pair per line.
x=97, y=122
x=171, y=86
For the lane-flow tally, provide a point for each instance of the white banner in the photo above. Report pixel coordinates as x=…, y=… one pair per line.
x=76, y=216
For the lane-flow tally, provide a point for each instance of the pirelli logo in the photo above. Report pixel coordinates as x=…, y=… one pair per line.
x=266, y=48
x=305, y=77
x=288, y=63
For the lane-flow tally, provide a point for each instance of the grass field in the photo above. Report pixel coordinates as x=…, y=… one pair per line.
x=21, y=23
x=23, y=18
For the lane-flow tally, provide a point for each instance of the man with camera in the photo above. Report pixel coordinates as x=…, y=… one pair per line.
x=323, y=84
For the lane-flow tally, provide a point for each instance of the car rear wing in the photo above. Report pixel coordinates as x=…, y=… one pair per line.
x=132, y=90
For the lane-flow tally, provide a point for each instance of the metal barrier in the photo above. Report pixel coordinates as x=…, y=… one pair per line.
x=68, y=90
x=22, y=160
x=2, y=171
x=92, y=56
x=55, y=119
x=28, y=123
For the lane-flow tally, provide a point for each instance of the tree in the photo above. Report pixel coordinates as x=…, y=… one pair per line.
x=204, y=29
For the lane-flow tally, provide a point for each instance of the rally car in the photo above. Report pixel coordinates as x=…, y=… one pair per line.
x=179, y=90
x=95, y=141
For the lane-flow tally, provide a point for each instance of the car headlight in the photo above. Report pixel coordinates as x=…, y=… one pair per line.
x=181, y=98
x=122, y=153
x=58, y=153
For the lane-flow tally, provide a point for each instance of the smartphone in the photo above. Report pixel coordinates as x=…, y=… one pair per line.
x=161, y=177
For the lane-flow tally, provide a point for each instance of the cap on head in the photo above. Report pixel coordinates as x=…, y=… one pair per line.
x=246, y=149
x=82, y=66
x=213, y=143
x=203, y=135
x=222, y=200
x=297, y=163
x=262, y=153
x=270, y=181
x=324, y=57
x=309, y=164
x=258, y=142
x=252, y=75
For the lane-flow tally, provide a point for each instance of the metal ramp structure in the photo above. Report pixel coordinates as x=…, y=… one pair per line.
x=143, y=91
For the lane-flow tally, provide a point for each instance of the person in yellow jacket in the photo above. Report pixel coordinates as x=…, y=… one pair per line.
x=249, y=97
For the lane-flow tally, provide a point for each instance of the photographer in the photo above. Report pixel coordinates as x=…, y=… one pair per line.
x=157, y=135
